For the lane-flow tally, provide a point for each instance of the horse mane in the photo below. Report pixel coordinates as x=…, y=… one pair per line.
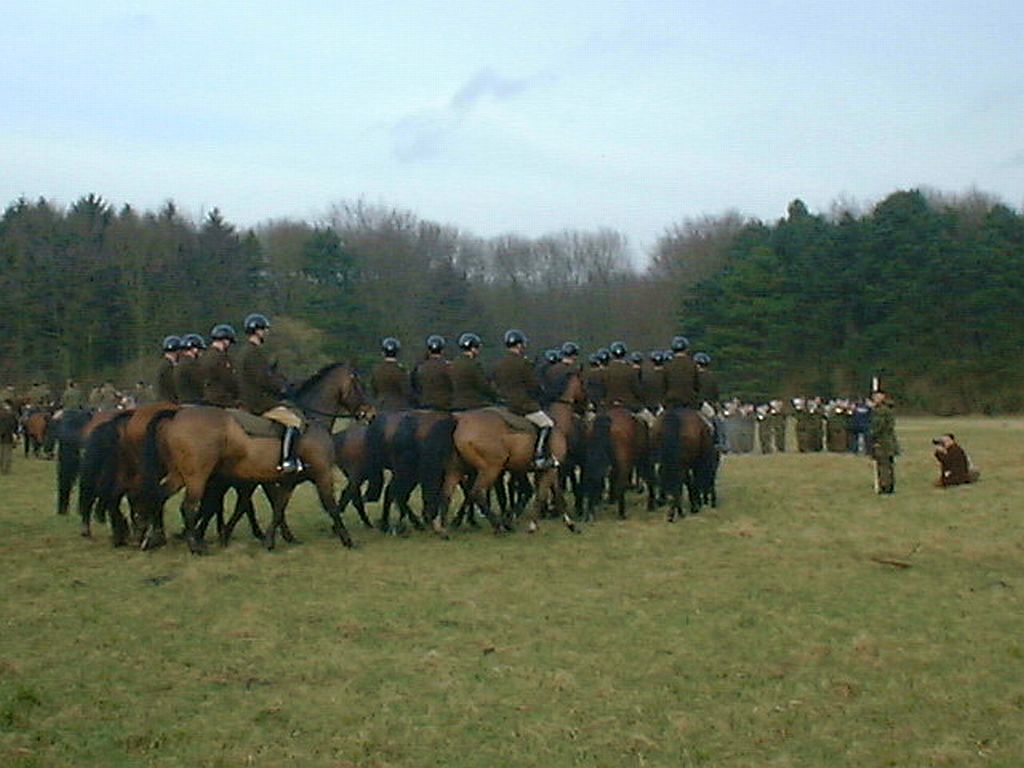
x=310, y=383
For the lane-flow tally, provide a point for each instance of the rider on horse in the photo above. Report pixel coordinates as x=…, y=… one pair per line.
x=622, y=384
x=263, y=388
x=708, y=396
x=166, y=388
x=470, y=388
x=389, y=380
x=516, y=382
x=189, y=376
x=220, y=385
x=432, y=377
x=681, y=383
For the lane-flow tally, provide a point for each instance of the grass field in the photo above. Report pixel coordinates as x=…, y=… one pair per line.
x=764, y=633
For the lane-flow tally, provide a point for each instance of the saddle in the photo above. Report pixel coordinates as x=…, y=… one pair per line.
x=514, y=421
x=256, y=426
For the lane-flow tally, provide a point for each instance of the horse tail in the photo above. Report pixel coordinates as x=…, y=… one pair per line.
x=405, y=451
x=152, y=464
x=597, y=459
x=99, y=465
x=435, y=452
x=672, y=469
x=375, y=448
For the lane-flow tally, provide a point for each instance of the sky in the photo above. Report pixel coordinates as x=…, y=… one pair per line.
x=517, y=117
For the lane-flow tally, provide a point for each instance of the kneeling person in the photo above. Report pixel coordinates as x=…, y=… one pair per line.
x=262, y=390
x=954, y=466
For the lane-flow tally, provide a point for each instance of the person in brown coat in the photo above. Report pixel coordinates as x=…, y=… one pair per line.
x=189, y=374
x=954, y=466
x=262, y=389
x=681, y=384
x=389, y=381
x=217, y=369
x=517, y=385
x=432, y=377
x=470, y=387
x=166, y=389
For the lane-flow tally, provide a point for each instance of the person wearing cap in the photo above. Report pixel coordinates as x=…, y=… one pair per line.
x=189, y=376
x=432, y=377
x=389, y=381
x=166, y=388
x=516, y=383
x=681, y=384
x=263, y=388
x=220, y=381
x=884, y=447
x=470, y=387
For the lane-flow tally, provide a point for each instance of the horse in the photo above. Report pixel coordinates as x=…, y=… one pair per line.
x=485, y=447
x=686, y=450
x=617, y=444
x=70, y=432
x=563, y=412
x=191, y=445
x=39, y=438
x=352, y=457
x=415, y=445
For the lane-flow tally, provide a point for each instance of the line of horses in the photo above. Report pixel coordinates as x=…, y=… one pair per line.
x=149, y=454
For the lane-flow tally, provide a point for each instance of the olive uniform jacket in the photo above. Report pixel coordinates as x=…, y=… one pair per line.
x=432, y=384
x=220, y=385
x=707, y=387
x=260, y=386
x=517, y=384
x=593, y=383
x=190, y=379
x=681, y=384
x=165, y=386
x=470, y=388
x=390, y=385
x=652, y=384
x=622, y=385
x=883, y=431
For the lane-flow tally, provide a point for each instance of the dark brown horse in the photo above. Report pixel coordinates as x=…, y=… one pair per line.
x=617, y=444
x=687, y=458
x=39, y=440
x=190, y=446
x=485, y=447
x=565, y=413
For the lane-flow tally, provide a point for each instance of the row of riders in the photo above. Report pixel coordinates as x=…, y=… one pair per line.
x=442, y=425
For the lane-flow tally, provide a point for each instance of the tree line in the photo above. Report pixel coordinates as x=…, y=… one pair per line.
x=923, y=289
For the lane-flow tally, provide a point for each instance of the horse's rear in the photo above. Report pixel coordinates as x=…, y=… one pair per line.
x=685, y=446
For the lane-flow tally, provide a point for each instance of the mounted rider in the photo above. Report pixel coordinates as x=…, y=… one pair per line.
x=220, y=382
x=652, y=381
x=622, y=384
x=517, y=384
x=389, y=381
x=166, y=388
x=681, y=385
x=709, y=397
x=189, y=377
x=432, y=377
x=470, y=387
x=263, y=389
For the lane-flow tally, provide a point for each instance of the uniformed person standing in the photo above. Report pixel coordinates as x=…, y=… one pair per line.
x=189, y=375
x=517, y=385
x=220, y=385
x=389, y=381
x=884, y=445
x=166, y=388
x=432, y=377
x=72, y=398
x=470, y=387
x=777, y=417
x=764, y=434
x=681, y=385
x=262, y=389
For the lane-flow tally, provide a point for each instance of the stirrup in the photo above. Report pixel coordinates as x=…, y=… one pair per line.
x=291, y=466
x=545, y=462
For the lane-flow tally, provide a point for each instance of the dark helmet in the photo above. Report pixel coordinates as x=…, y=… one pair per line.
x=222, y=331
x=618, y=349
x=593, y=360
x=390, y=346
x=254, y=322
x=435, y=344
x=553, y=356
x=469, y=341
x=657, y=357
x=636, y=358
x=171, y=343
x=604, y=356
x=702, y=358
x=680, y=343
x=514, y=336
x=570, y=349
x=192, y=341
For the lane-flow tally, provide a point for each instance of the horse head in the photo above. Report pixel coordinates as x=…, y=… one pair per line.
x=335, y=390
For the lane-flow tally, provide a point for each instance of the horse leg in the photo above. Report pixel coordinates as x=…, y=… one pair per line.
x=385, y=515
x=325, y=490
x=118, y=525
x=485, y=479
x=191, y=509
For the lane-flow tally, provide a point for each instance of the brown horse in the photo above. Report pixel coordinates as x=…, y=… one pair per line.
x=485, y=447
x=191, y=445
x=687, y=455
x=565, y=413
x=38, y=437
x=617, y=444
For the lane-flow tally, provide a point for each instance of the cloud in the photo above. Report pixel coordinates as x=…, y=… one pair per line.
x=422, y=136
